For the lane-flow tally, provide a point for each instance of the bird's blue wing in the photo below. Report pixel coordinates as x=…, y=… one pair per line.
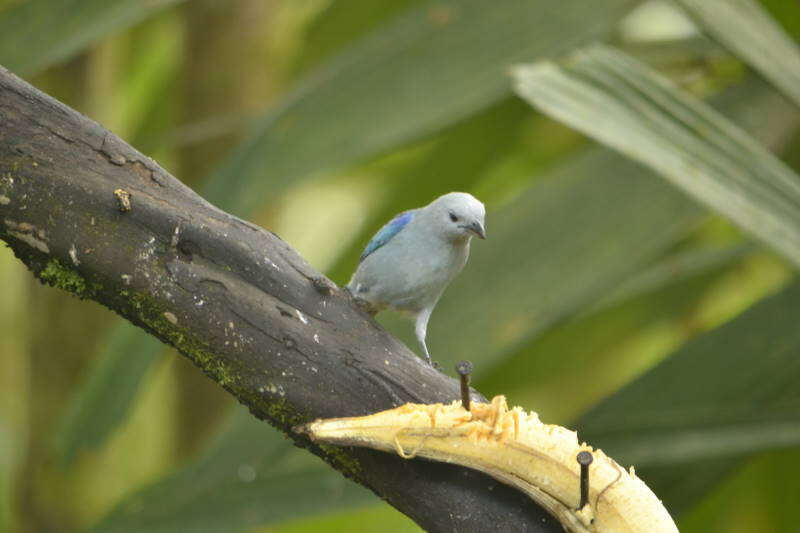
x=389, y=230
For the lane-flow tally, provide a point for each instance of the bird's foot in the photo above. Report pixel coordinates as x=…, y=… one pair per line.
x=433, y=363
x=362, y=304
x=323, y=285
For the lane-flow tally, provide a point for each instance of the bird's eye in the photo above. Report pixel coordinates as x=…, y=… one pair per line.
x=453, y=217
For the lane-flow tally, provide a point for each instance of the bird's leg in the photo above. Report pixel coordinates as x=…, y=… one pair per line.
x=421, y=330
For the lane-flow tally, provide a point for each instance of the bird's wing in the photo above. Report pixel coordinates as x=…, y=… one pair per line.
x=389, y=230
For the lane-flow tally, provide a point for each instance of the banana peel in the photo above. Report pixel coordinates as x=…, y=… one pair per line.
x=515, y=448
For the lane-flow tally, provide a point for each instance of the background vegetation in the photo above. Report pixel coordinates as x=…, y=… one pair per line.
x=650, y=304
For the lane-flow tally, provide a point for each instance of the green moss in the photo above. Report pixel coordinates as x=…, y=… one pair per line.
x=347, y=464
x=61, y=276
x=279, y=411
x=6, y=183
x=153, y=315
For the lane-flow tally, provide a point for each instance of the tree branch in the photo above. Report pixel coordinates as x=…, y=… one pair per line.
x=89, y=214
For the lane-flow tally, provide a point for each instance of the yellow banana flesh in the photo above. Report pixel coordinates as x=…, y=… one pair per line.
x=515, y=448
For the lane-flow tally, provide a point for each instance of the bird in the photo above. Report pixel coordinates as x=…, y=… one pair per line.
x=409, y=262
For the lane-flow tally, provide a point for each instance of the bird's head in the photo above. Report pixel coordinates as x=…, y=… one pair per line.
x=460, y=215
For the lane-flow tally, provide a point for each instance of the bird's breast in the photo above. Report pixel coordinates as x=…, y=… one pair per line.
x=409, y=275
x=441, y=265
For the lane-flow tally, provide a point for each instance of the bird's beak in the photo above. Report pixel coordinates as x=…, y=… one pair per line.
x=477, y=229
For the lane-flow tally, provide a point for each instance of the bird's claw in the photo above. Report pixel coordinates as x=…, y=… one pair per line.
x=323, y=285
x=361, y=303
x=365, y=306
x=434, y=364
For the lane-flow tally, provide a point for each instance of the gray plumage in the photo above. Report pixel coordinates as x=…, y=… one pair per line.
x=411, y=260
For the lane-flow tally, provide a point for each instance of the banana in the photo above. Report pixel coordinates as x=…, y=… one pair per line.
x=515, y=448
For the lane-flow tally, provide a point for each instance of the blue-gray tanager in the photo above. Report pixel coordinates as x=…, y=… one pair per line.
x=411, y=260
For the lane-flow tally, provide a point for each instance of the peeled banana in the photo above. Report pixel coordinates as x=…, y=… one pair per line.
x=515, y=448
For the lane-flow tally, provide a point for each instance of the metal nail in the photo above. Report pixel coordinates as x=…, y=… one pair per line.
x=584, y=459
x=464, y=369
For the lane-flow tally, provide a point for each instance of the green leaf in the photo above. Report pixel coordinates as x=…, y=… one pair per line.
x=426, y=69
x=249, y=476
x=761, y=496
x=601, y=350
x=340, y=23
x=102, y=403
x=379, y=517
x=623, y=104
x=683, y=486
x=674, y=269
x=728, y=394
x=752, y=405
x=38, y=33
x=751, y=33
x=787, y=13
x=10, y=457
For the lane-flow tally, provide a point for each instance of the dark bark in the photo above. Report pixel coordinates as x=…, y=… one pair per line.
x=71, y=326
x=211, y=96
x=89, y=214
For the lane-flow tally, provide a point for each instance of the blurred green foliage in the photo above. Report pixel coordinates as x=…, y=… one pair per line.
x=605, y=298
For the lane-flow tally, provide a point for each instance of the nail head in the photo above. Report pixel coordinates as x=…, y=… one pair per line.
x=585, y=458
x=464, y=368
